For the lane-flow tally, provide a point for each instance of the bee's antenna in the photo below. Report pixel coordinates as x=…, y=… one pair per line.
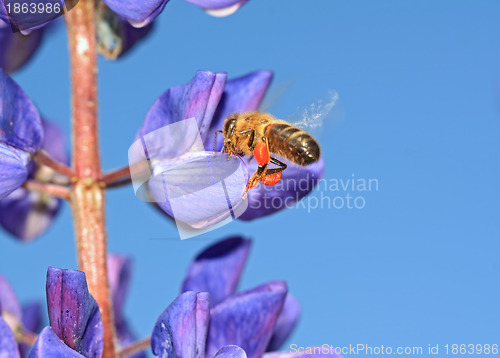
x=215, y=139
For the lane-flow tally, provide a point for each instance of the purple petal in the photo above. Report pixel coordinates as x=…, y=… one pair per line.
x=126, y=337
x=26, y=214
x=73, y=312
x=315, y=352
x=16, y=49
x=296, y=183
x=286, y=322
x=115, y=35
x=140, y=13
x=20, y=123
x=181, y=330
x=119, y=271
x=49, y=345
x=8, y=300
x=202, y=320
x=197, y=99
x=202, y=189
x=218, y=269
x=231, y=352
x=247, y=319
x=13, y=169
x=8, y=344
x=241, y=94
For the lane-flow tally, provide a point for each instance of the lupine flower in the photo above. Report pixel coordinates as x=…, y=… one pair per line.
x=70, y=303
x=235, y=317
x=210, y=98
x=172, y=335
x=15, y=318
x=21, y=134
x=173, y=134
x=218, y=270
x=27, y=214
x=196, y=324
x=75, y=321
x=75, y=329
x=256, y=320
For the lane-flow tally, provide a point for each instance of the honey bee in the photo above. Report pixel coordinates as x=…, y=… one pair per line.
x=258, y=134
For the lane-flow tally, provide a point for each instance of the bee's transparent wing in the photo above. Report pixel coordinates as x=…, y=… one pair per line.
x=319, y=115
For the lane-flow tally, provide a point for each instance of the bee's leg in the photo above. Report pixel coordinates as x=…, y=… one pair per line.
x=251, y=138
x=249, y=133
x=261, y=154
x=255, y=179
x=215, y=140
x=282, y=166
x=273, y=176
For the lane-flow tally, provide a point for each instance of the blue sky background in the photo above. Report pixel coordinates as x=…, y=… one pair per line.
x=419, y=84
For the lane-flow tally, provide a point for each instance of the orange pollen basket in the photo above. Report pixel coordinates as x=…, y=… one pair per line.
x=261, y=154
x=271, y=179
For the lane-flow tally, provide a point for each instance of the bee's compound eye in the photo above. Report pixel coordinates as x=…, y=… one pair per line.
x=229, y=126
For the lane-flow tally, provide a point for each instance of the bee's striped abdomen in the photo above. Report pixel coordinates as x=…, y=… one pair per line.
x=292, y=143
